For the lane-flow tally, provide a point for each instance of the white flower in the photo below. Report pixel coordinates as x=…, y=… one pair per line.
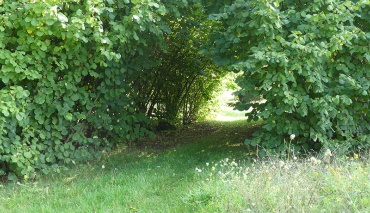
x=287, y=166
x=328, y=153
x=281, y=163
x=315, y=161
x=292, y=136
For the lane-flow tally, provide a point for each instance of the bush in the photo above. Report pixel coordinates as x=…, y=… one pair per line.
x=66, y=68
x=308, y=59
x=78, y=76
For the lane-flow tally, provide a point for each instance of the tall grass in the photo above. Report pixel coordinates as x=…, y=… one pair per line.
x=273, y=185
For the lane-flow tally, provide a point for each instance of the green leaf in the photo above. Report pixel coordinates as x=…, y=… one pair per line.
x=19, y=117
x=12, y=176
x=75, y=97
x=136, y=37
x=27, y=155
x=5, y=79
x=42, y=136
x=34, y=22
x=262, y=153
x=5, y=112
x=247, y=141
x=40, y=99
x=6, y=144
x=69, y=116
x=50, y=22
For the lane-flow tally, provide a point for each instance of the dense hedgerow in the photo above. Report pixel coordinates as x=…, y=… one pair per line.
x=308, y=59
x=66, y=69
x=79, y=76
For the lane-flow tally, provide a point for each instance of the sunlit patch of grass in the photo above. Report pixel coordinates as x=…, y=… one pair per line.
x=297, y=185
x=229, y=114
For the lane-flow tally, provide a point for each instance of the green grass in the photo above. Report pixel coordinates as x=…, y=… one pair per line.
x=228, y=114
x=273, y=185
x=137, y=180
x=200, y=168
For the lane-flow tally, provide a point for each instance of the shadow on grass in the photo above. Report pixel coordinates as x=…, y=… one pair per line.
x=183, y=150
x=222, y=132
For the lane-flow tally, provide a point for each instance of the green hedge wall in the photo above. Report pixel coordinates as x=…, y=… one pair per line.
x=66, y=73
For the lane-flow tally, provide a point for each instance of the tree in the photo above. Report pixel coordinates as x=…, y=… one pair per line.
x=308, y=59
x=184, y=79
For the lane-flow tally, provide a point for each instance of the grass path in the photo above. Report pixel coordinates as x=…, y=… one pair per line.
x=193, y=170
x=135, y=180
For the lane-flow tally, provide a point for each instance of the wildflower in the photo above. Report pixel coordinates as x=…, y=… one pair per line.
x=207, y=164
x=287, y=166
x=328, y=153
x=199, y=170
x=315, y=161
x=25, y=177
x=292, y=136
x=133, y=208
x=281, y=163
x=103, y=167
x=219, y=173
x=213, y=168
x=355, y=156
x=233, y=163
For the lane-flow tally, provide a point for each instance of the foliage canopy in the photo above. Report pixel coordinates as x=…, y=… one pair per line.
x=75, y=76
x=308, y=59
x=78, y=76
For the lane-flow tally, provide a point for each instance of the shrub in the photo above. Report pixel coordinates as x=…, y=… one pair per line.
x=66, y=68
x=308, y=59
